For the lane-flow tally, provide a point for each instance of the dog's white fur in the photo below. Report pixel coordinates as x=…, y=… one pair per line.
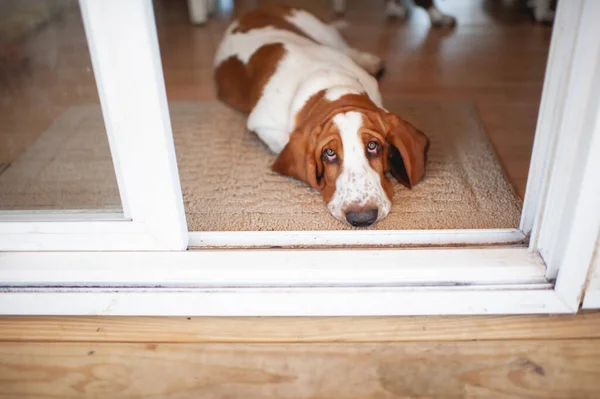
x=306, y=69
x=358, y=185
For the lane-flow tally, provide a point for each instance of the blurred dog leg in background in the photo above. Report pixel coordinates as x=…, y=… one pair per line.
x=399, y=9
x=542, y=11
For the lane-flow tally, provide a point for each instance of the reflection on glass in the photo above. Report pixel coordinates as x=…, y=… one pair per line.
x=54, y=152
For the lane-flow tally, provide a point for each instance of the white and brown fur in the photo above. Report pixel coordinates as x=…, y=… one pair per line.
x=308, y=94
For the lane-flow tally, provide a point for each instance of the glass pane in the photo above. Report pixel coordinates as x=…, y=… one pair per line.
x=54, y=152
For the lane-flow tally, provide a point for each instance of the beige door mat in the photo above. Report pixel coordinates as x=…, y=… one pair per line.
x=228, y=185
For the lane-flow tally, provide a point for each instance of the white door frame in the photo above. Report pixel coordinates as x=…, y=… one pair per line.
x=548, y=276
x=591, y=299
x=125, y=56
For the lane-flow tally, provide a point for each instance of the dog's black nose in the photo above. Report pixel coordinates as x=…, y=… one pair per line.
x=362, y=218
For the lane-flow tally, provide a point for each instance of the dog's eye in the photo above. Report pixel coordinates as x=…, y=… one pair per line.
x=373, y=147
x=329, y=155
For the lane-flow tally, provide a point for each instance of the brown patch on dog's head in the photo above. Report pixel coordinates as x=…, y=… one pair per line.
x=406, y=149
x=304, y=156
x=388, y=144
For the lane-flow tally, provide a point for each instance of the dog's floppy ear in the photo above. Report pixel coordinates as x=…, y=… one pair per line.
x=298, y=160
x=407, y=153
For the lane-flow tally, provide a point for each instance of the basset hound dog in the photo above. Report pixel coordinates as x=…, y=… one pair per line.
x=314, y=101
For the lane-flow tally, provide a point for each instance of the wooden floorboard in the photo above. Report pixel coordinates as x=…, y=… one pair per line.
x=488, y=369
x=298, y=329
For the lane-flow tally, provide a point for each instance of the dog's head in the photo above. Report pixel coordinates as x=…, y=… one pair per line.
x=346, y=155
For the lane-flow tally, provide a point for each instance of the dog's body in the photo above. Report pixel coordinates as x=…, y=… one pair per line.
x=313, y=100
x=306, y=69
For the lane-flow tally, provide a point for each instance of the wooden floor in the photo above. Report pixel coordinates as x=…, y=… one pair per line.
x=367, y=358
x=495, y=58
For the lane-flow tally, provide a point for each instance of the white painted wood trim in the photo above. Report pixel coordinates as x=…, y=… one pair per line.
x=125, y=54
x=232, y=239
x=76, y=236
x=591, y=299
x=124, y=51
x=567, y=229
x=35, y=216
x=559, y=74
x=581, y=235
x=286, y=302
x=570, y=220
x=267, y=268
